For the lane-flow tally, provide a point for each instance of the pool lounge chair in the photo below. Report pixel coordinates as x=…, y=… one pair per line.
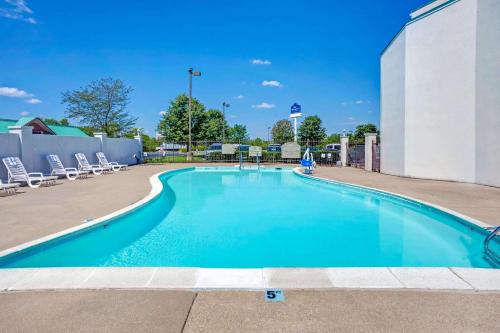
x=8, y=188
x=17, y=173
x=84, y=165
x=103, y=162
x=58, y=169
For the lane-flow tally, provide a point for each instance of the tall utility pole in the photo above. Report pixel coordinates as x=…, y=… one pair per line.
x=191, y=74
x=224, y=106
x=269, y=134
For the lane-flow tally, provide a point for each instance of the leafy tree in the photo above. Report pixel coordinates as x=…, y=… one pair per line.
x=102, y=105
x=89, y=130
x=311, y=130
x=333, y=138
x=52, y=121
x=282, y=131
x=213, y=125
x=238, y=133
x=174, y=125
x=359, y=133
x=149, y=144
x=258, y=142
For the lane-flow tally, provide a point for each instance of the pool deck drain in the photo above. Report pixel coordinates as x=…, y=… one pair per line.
x=473, y=279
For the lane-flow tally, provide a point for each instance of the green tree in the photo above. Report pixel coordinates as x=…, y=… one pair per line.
x=102, y=105
x=52, y=121
x=238, y=133
x=258, y=142
x=359, y=133
x=333, y=138
x=213, y=125
x=282, y=131
x=311, y=130
x=149, y=144
x=174, y=122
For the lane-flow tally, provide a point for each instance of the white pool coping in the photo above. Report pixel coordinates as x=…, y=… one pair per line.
x=192, y=278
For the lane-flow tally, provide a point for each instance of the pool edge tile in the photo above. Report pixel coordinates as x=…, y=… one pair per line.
x=363, y=277
x=119, y=277
x=55, y=278
x=297, y=278
x=174, y=277
x=479, y=278
x=429, y=278
x=230, y=278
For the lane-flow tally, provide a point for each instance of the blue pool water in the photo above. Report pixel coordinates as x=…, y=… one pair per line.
x=223, y=217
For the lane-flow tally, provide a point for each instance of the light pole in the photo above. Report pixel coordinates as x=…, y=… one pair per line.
x=224, y=106
x=191, y=74
x=268, y=134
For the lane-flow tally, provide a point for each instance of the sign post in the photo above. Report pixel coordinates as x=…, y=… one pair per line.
x=295, y=112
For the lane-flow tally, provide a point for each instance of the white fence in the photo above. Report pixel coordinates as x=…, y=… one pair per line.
x=32, y=149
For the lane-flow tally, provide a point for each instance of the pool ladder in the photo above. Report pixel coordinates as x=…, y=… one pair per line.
x=489, y=254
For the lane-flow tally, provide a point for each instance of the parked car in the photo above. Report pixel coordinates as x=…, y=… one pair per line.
x=275, y=148
x=332, y=146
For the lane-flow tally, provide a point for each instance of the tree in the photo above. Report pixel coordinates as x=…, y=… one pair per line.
x=258, y=142
x=174, y=123
x=311, y=130
x=213, y=125
x=149, y=144
x=102, y=105
x=52, y=121
x=238, y=133
x=359, y=133
x=282, y=131
x=333, y=138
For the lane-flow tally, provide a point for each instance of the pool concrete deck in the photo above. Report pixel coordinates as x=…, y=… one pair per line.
x=69, y=203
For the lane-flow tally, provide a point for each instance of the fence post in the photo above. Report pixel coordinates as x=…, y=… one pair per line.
x=139, y=158
x=344, y=144
x=25, y=134
x=102, y=136
x=370, y=138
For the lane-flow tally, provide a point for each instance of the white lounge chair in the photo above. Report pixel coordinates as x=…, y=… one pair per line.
x=84, y=165
x=8, y=188
x=103, y=162
x=58, y=169
x=17, y=173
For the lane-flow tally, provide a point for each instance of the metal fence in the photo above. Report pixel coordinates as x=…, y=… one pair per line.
x=207, y=151
x=356, y=155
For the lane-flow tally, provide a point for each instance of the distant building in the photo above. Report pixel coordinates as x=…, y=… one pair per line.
x=39, y=127
x=440, y=94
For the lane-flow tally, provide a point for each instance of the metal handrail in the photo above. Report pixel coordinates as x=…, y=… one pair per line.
x=492, y=255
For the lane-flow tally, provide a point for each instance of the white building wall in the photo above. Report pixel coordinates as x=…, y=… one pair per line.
x=451, y=95
x=488, y=93
x=392, y=101
x=440, y=94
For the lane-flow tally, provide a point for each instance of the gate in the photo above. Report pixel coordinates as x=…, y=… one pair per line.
x=356, y=155
x=375, y=157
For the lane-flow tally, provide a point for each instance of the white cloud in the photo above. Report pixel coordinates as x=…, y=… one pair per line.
x=162, y=113
x=359, y=101
x=24, y=114
x=240, y=97
x=17, y=10
x=232, y=116
x=272, y=83
x=260, y=62
x=264, y=105
x=33, y=101
x=14, y=92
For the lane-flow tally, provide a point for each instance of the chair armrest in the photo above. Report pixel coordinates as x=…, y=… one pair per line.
x=70, y=169
x=95, y=166
x=35, y=174
x=113, y=163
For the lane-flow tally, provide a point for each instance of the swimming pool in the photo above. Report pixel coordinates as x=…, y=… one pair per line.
x=229, y=218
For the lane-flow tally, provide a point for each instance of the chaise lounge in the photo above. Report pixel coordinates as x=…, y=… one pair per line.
x=103, y=162
x=58, y=169
x=17, y=173
x=84, y=165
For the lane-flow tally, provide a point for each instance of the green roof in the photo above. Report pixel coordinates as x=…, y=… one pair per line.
x=67, y=130
x=5, y=123
x=57, y=129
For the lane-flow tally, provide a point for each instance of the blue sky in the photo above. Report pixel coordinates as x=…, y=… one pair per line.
x=322, y=54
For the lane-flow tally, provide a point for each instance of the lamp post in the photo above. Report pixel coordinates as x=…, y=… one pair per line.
x=224, y=106
x=191, y=74
x=268, y=134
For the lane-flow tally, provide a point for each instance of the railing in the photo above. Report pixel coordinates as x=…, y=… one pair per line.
x=491, y=255
x=356, y=155
x=207, y=152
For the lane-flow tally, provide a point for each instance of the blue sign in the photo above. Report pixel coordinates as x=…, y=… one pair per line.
x=274, y=295
x=295, y=108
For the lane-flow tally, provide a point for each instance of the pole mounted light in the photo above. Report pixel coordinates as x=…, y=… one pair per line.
x=224, y=106
x=191, y=74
